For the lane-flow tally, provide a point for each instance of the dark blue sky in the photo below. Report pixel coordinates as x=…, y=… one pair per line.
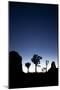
x=33, y=30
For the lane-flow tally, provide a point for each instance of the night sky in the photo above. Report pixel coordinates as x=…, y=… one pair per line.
x=33, y=29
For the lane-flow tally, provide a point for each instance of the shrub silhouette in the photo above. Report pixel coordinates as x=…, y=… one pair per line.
x=27, y=65
x=36, y=60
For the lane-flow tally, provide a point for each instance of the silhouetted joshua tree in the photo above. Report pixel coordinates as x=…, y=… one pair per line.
x=45, y=68
x=27, y=65
x=47, y=61
x=36, y=60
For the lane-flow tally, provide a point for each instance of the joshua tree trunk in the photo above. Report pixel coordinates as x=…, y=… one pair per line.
x=28, y=70
x=35, y=67
x=46, y=67
x=46, y=64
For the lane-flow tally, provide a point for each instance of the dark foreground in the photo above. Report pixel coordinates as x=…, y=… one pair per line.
x=22, y=80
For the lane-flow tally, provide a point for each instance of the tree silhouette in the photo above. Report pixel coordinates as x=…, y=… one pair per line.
x=45, y=68
x=36, y=60
x=47, y=61
x=27, y=65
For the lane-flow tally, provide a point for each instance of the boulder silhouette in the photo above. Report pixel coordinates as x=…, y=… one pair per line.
x=53, y=67
x=53, y=74
x=15, y=68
